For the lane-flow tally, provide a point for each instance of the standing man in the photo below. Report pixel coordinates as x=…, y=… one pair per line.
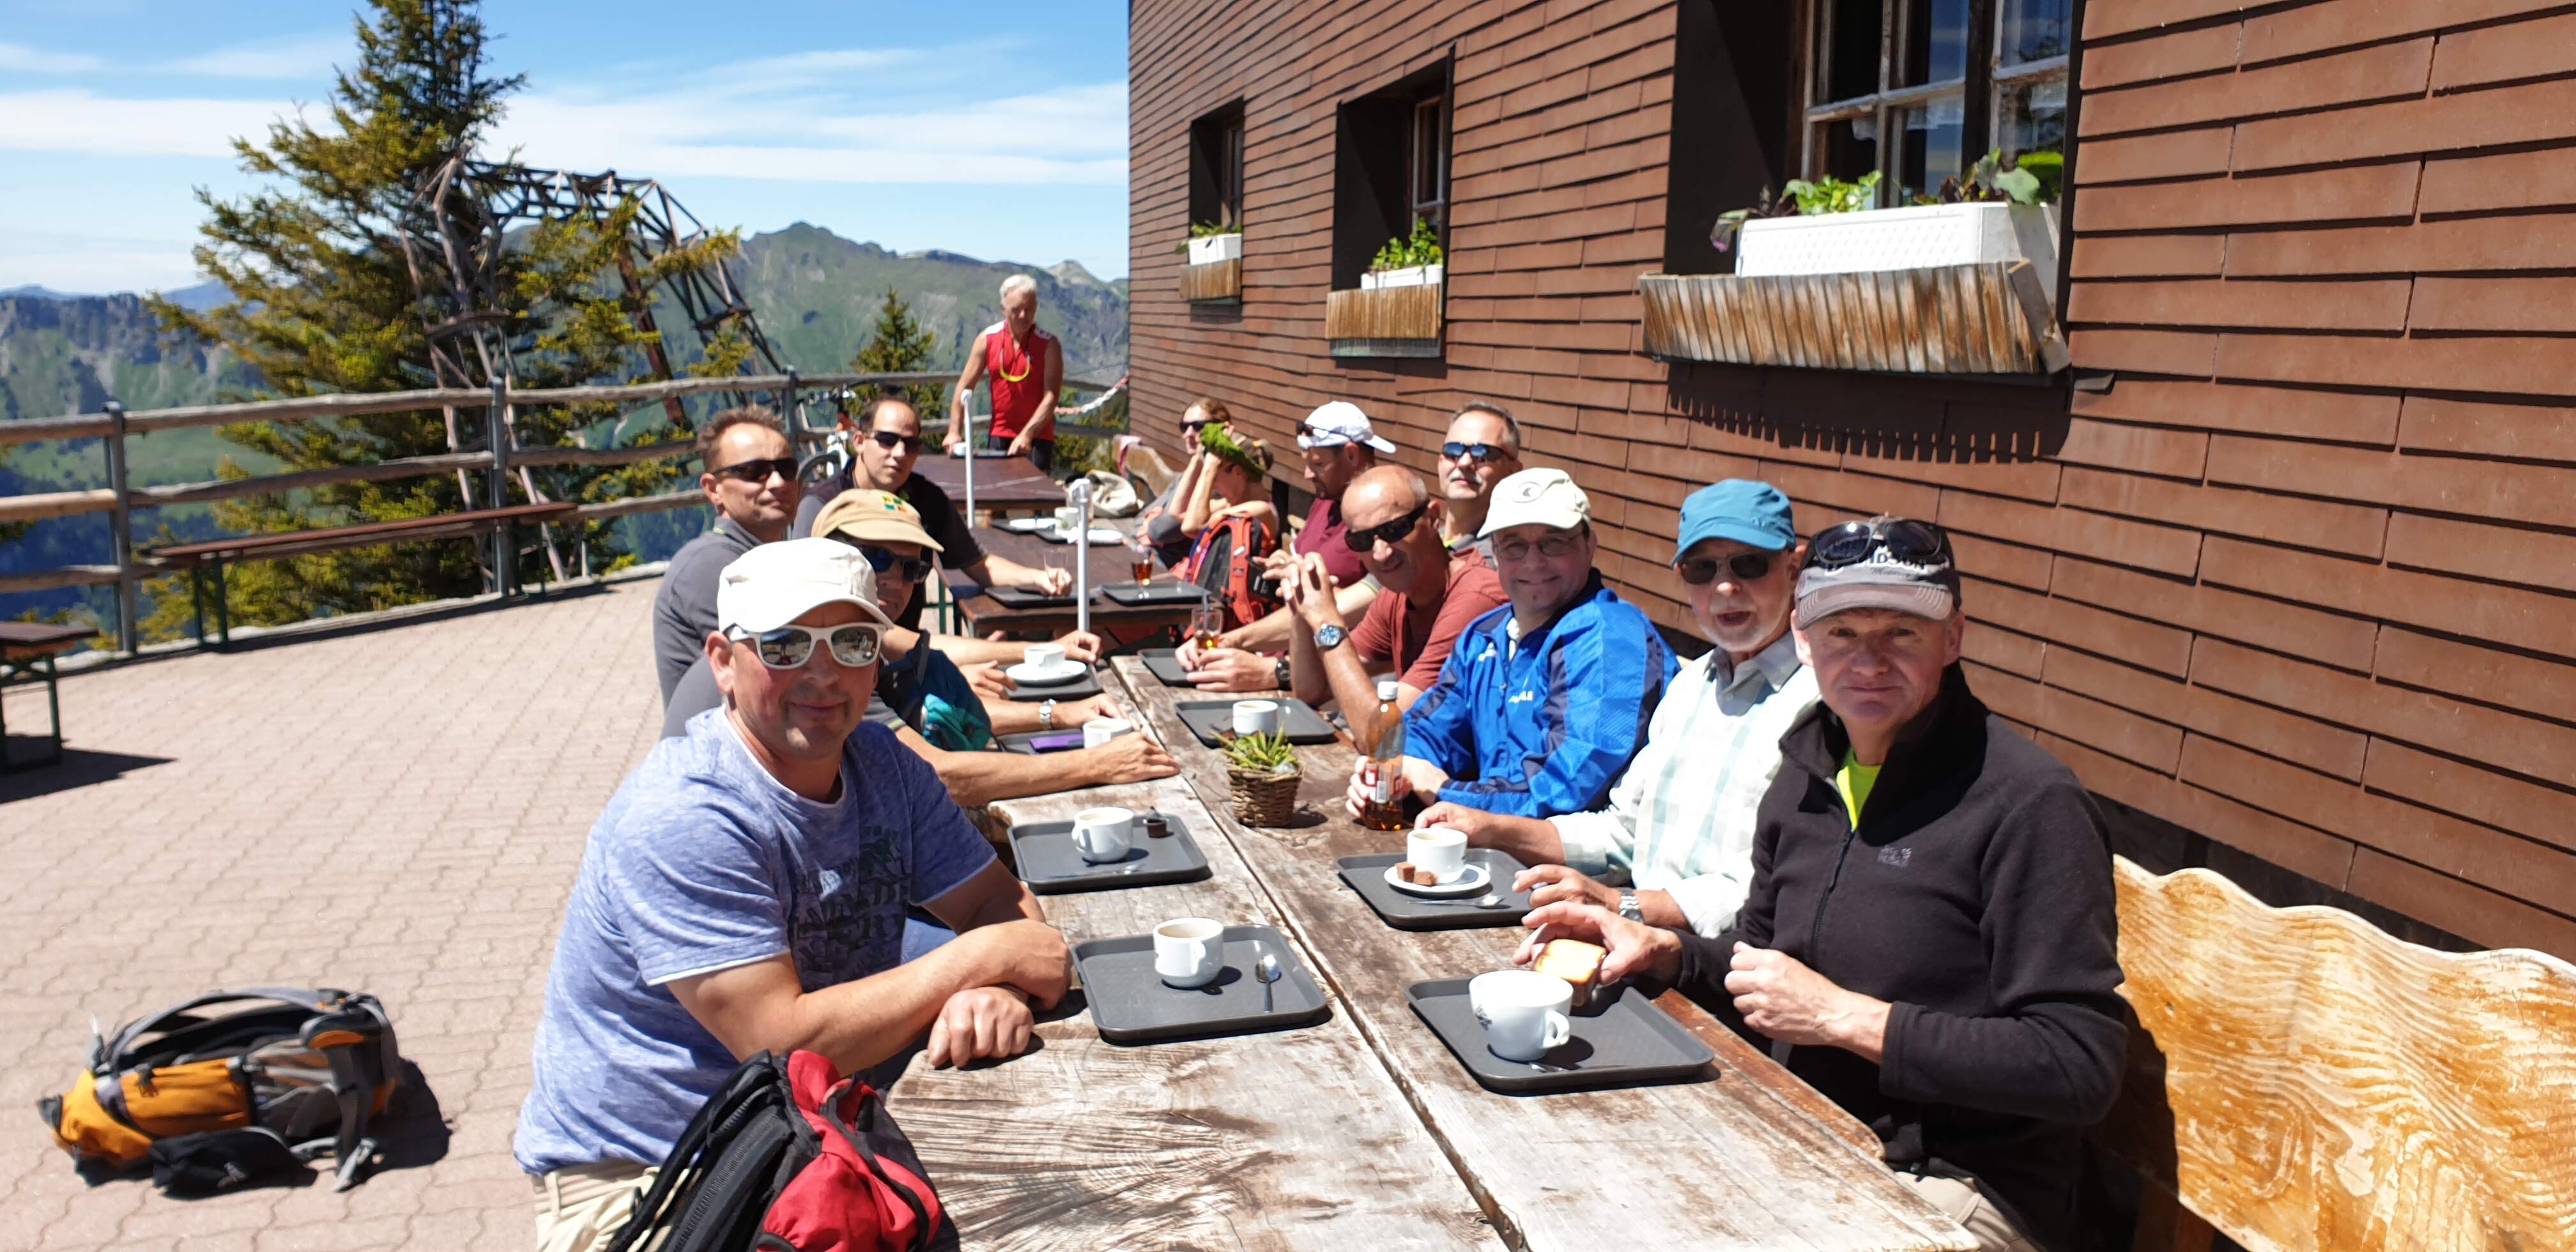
x=1428, y=593
x=1027, y=368
x=1336, y=444
x=744, y=892
x=1931, y=938
x=1544, y=702
x=1483, y=447
x=887, y=448
x=750, y=482
x=1678, y=831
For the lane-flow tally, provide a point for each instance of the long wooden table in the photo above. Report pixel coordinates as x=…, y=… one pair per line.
x=1109, y=565
x=1753, y=1159
x=1296, y=1139
x=1004, y=485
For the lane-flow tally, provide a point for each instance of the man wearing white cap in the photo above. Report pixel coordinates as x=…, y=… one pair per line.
x=1338, y=445
x=1542, y=702
x=744, y=891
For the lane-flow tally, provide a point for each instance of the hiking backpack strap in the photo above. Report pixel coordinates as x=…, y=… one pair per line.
x=907, y=1184
x=760, y=1081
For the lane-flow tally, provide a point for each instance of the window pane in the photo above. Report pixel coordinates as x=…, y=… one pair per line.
x=2034, y=30
x=2035, y=118
x=1428, y=152
x=1231, y=192
x=1928, y=150
x=1936, y=42
x=1851, y=62
x=1850, y=146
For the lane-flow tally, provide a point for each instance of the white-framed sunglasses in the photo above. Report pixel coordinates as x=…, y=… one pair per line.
x=853, y=644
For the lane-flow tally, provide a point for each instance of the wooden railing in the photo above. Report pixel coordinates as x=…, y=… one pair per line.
x=498, y=461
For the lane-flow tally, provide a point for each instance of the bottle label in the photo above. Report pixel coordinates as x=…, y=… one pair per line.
x=1380, y=783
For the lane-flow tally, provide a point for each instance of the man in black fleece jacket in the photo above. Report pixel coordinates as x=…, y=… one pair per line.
x=1944, y=966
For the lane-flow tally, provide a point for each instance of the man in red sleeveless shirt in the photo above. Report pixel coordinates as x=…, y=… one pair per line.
x=1027, y=368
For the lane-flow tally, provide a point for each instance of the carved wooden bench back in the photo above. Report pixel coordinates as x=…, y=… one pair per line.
x=2301, y=1080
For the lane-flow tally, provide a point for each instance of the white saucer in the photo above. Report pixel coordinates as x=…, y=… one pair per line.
x=1063, y=672
x=1468, y=883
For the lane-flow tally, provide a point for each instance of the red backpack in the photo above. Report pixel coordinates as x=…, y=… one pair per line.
x=788, y=1156
x=1227, y=562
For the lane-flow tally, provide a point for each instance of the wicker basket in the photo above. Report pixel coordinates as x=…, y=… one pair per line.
x=1264, y=799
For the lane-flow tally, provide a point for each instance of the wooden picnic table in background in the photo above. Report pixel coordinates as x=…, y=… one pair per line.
x=1110, y=564
x=1752, y=1159
x=1294, y=1139
x=1004, y=485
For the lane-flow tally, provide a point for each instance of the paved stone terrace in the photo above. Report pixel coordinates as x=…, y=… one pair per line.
x=398, y=809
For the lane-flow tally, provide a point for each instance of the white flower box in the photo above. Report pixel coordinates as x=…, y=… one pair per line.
x=1210, y=249
x=1921, y=237
x=1410, y=276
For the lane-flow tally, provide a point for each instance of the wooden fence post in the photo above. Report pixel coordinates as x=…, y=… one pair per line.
x=504, y=558
x=120, y=524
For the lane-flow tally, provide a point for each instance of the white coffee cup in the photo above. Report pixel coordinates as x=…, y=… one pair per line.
x=1100, y=730
x=1440, y=849
x=1103, y=834
x=1190, y=951
x=1067, y=519
x=1522, y=1011
x=1258, y=717
x=1045, y=657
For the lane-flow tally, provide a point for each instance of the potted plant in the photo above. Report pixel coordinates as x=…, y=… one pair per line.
x=1406, y=260
x=2002, y=210
x=1262, y=770
x=1211, y=242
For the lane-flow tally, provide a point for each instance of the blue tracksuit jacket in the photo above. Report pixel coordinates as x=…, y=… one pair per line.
x=1546, y=727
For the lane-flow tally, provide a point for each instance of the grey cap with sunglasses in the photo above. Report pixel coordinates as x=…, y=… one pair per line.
x=1893, y=563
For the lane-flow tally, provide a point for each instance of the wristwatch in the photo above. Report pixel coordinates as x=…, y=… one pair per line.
x=1046, y=714
x=1330, y=636
x=1281, y=673
x=1628, y=907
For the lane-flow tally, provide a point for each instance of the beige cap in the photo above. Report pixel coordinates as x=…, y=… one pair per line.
x=776, y=583
x=867, y=513
x=1537, y=497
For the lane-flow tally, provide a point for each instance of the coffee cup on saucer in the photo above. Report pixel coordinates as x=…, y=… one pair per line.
x=1522, y=1011
x=1440, y=849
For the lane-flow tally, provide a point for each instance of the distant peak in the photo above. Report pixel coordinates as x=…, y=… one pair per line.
x=1071, y=273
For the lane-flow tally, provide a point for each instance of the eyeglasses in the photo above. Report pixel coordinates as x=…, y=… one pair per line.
x=854, y=644
x=758, y=471
x=1747, y=567
x=1556, y=545
x=911, y=569
x=1910, y=541
x=1392, y=533
x=1487, y=452
x=889, y=439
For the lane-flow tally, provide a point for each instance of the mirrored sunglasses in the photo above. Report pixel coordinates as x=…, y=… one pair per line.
x=1480, y=451
x=853, y=644
x=1910, y=541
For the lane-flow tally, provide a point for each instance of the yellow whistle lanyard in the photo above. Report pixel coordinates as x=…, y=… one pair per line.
x=1026, y=365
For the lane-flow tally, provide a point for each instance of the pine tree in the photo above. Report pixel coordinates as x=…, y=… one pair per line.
x=323, y=302
x=899, y=344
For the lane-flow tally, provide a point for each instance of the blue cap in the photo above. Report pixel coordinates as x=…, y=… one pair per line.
x=1748, y=512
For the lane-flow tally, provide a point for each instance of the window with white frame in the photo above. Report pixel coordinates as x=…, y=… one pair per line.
x=1919, y=89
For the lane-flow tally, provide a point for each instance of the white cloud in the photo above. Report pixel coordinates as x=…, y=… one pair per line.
x=35, y=61
x=83, y=121
x=80, y=262
x=302, y=58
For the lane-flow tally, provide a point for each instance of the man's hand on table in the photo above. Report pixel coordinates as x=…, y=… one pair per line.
x=978, y=1024
x=1132, y=758
x=988, y=680
x=1779, y=996
x=1636, y=949
x=1548, y=884
x=1417, y=777
x=1022, y=953
x=1228, y=669
x=1044, y=581
x=1089, y=709
x=1078, y=645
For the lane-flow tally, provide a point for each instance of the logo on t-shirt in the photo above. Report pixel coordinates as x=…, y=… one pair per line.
x=831, y=883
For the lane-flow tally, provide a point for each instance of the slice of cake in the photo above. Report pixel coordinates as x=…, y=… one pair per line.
x=1575, y=961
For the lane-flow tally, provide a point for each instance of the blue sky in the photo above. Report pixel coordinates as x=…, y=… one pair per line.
x=1002, y=135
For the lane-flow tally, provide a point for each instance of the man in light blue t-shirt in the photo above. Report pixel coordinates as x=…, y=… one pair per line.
x=744, y=891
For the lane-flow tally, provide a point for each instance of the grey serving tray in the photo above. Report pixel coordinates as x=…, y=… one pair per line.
x=1087, y=685
x=1211, y=720
x=1367, y=876
x=1051, y=865
x=1136, y=595
x=1023, y=598
x=1621, y=1040
x=1164, y=665
x=1130, y=1003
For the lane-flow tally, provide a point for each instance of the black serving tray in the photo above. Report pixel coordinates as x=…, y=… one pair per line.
x=1051, y=865
x=1130, y=1003
x=1620, y=1040
x=1367, y=876
x=1213, y=720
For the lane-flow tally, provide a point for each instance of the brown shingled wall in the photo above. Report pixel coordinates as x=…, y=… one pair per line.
x=2300, y=580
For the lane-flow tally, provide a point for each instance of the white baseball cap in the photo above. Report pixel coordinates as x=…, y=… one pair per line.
x=776, y=583
x=1338, y=422
x=1537, y=497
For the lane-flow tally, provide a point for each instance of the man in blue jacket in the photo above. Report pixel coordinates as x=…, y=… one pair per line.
x=1542, y=701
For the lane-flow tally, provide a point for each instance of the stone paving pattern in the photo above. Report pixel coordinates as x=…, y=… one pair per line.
x=397, y=809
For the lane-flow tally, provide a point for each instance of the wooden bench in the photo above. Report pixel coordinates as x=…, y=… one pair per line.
x=27, y=652
x=212, y=555
x=2300, y=1080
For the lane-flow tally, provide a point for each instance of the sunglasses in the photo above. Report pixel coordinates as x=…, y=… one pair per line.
x=889, y=439
x=1193, y=428
x=759, y=471
x=854, y=645
x=1907, y=540
x=912, y=569
x=1746, y=567
x=1480, y=451
x=1392, y=533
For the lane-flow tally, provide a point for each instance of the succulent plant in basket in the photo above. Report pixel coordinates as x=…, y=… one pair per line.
x=1264, y=773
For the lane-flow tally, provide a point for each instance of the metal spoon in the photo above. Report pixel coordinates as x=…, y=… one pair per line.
x=1268, y=972
x=1485, y=901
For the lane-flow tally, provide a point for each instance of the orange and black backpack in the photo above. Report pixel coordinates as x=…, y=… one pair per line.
x=1226, y=561
x=232, y=1085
